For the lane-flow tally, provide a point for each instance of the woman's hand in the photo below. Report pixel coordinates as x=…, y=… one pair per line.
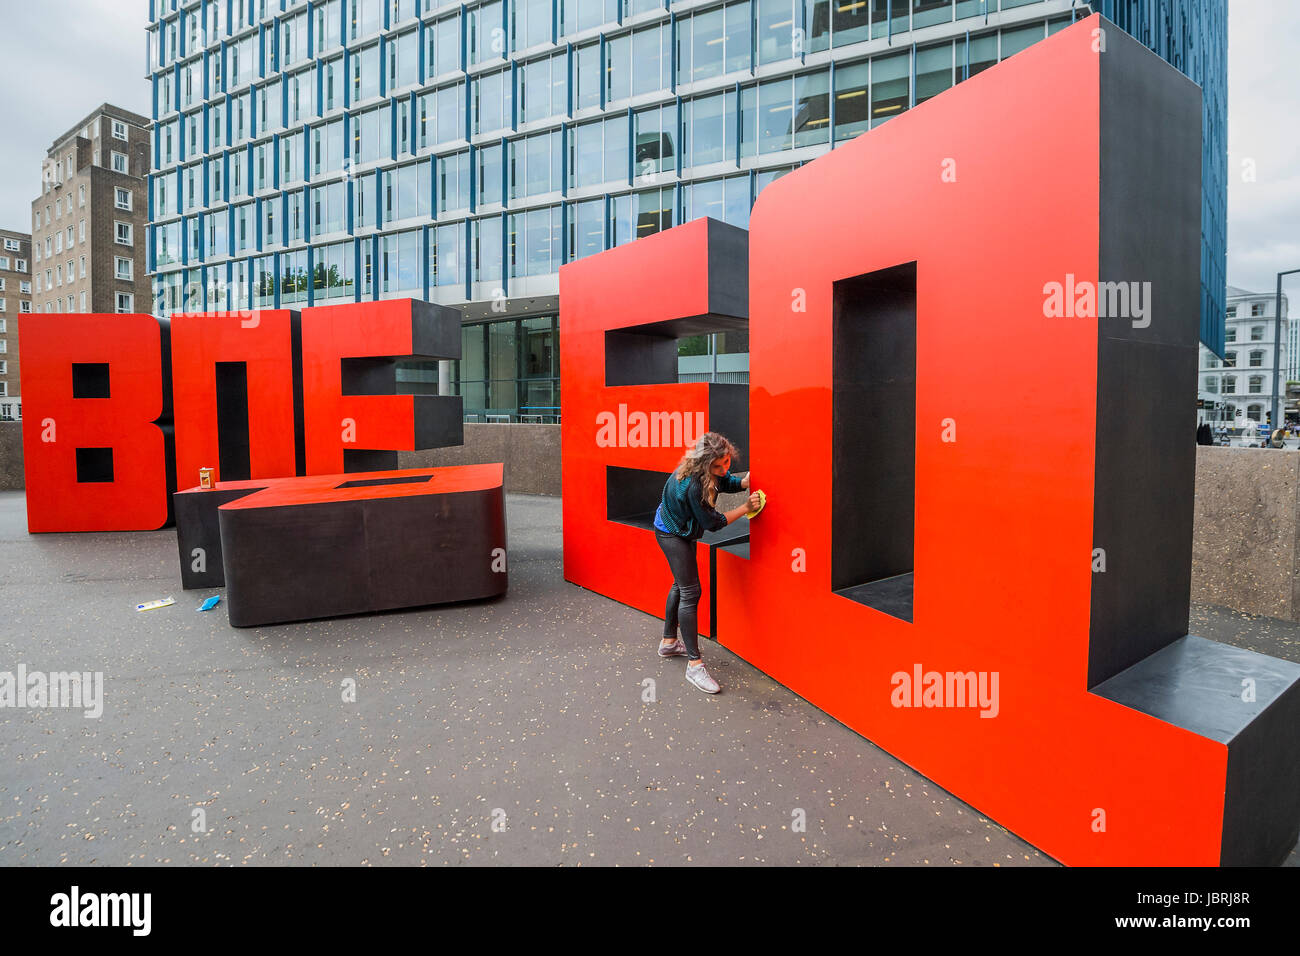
x=744, y=482
x=754, y=502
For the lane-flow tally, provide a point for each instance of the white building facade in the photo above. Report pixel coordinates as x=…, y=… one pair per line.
x=1238, y=390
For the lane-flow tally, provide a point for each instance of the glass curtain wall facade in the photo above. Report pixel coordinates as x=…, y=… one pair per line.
x=350, y=150
x=1192, y=35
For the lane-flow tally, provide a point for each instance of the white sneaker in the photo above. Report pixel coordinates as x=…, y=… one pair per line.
x=698, y=676
x=675, y=649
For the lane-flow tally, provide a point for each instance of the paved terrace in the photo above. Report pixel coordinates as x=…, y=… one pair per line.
x=530, y=704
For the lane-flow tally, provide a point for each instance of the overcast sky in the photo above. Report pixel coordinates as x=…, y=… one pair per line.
x=63, y=58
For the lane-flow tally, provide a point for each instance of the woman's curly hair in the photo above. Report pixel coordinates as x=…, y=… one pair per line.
x=696, y=463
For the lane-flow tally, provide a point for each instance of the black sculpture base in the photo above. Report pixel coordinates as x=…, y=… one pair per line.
x=1247, y=701
x=291, y=549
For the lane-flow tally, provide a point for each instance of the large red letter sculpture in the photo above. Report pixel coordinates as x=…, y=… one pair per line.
x=353, y=419
x=625, y=421
x=235, y=382
x=973, y=346
x=96, y=434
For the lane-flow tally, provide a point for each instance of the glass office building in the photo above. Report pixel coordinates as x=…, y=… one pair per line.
x=1192, y=35
x=318, y=151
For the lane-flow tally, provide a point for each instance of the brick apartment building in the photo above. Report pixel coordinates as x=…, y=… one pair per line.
x=15, y=299
x=89, y=223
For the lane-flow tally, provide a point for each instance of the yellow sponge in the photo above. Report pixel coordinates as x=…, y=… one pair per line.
x=762, y=503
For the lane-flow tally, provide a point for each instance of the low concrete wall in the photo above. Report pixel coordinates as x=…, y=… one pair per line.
x=1244, y=534
x=531, y=454
x=11, y=456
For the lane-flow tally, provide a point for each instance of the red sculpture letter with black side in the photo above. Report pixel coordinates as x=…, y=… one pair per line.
x=97, y=437
x=625, y=419
x=979, y=528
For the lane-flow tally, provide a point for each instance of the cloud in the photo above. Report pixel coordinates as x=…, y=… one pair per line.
x=62, y=60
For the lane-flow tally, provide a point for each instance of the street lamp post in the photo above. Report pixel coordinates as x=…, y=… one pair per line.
x=1277, y=345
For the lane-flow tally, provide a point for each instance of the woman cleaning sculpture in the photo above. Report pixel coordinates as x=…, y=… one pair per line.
x=686, y=511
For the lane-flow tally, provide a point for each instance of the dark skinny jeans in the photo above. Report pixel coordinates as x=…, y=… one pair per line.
x=684, y=596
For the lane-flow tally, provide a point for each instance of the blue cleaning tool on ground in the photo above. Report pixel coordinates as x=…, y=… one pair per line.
x=210, y=603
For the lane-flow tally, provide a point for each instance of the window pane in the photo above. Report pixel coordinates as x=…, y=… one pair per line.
x=929, y=12
x=652, y=212
x=502, y=362
x=453, y=182
x=774, y=108
x=399, y=266
x=738, y=36
x=584, y=14
x=559, y=84
x=656, y=131
x=621, y=227
x=534, y=164
x=851, y=114
x=404, y=61
x=817, y=20
x=851, y=21
x=736, y=201
x=447, y=42
x=650, y=56
x=451, y=113
x=365, y=73
x=1013, y=41
x=447, y=258
x=700, y=46
x=486, y=38
x=489, y=174
x=586, y=228
x=889, y=86
x=587, y=155
x=487, y=249
x=775, y=30
x=530, y=23
x=263, y=283
x=536, y=91
x=587, y=63
x=489, y=102
x=332, y=278
x=933, y=71
x=703, y=199
x=616, y=139
x=812, y=108
x=366, y=17
x=879, y=22
x=983, y=53
x=706, y=134
x=618, y=69
x=534, y=242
